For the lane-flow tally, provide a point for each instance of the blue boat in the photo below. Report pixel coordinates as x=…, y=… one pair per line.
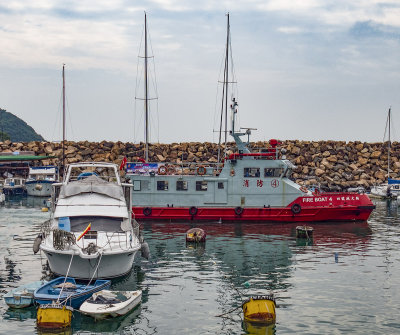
x=22, y=296
x=68, y=291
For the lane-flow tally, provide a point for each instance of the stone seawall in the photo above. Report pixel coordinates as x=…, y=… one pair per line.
x=334, y=165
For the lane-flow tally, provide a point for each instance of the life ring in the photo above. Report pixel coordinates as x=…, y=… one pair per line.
x=171, y=170
x=232, y=172
x=193, y=210
x=303, y=189
x=201, y=170
x=296, y=208
x=238, y=210
x=147, y=211
x=162, y=170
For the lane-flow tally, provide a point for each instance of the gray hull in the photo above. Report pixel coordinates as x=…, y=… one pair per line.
x=43, y=191
x=111, y=266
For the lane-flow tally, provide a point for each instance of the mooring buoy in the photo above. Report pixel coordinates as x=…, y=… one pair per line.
x=304, y=232
x=196, y=235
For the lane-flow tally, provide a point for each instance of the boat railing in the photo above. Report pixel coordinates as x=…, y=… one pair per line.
x=91, y=245
x=183, y=168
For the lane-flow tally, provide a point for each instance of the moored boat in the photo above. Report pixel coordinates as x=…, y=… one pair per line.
x=14, y=186
x=22, y=296
x=91, y=231
x=68, y=292
x=106, y=304
x=40, y=179
x=247, y=185
x=390, y=189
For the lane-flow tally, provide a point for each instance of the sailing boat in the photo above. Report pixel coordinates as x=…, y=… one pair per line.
x=390, y=189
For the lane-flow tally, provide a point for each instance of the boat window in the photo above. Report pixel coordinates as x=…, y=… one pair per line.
x=108, y=224
x=136, y=185
x=17, y=182
x=181, y=185
x=201, y=185
x=252, y=172
x=162, y=185
x=220, y=186
x=273, y=172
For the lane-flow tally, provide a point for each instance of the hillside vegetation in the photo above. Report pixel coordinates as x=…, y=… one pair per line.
x=16, y=129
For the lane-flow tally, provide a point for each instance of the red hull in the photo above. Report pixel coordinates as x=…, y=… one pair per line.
x=321, y=208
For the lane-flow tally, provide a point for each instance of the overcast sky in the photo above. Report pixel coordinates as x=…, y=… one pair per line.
x=306, y=69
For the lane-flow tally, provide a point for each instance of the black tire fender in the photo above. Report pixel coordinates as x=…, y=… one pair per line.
x=238, y=210
x=296, y=208
x=193, y=210
x=147, y=211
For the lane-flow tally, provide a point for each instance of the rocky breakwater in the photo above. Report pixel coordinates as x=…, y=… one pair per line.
x=333, y=165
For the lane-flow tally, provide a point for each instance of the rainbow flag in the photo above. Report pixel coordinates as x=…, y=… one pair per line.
x=85, y=231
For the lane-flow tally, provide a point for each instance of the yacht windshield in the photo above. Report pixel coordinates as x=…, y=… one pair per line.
x=98, y=223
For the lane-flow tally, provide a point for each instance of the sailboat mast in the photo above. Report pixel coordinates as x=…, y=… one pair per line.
x=63, y=139
x=224, y=100
x=226, y=83
x=389, y=117
x=146, y=96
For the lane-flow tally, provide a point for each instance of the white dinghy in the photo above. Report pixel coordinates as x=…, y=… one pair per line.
x=109, y=304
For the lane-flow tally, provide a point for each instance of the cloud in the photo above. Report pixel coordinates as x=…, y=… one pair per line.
x=370, y=29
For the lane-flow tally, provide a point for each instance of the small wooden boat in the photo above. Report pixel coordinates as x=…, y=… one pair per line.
x=54, y=316
x=196, y=235
x=68, y=291
x=259, y=309
x=22, y=296
x=106, y=304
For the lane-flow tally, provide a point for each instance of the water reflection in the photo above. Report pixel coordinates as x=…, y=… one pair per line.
x=20, y=314
x=64, y=331
x=258, y=329
x=118, y=324
x=23, y=201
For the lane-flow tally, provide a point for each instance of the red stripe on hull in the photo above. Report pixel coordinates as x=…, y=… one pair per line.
x=313, y=209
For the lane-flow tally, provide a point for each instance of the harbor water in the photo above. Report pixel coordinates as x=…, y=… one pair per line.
x=344, y=281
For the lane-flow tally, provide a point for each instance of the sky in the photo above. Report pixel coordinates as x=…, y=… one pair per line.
x=305, y=69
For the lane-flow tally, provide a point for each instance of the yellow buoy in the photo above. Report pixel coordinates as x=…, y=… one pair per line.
x=259, y=309
x=54, y=316
x=45, y=209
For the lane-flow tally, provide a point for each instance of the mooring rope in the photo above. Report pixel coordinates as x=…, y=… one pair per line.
x=65, y=279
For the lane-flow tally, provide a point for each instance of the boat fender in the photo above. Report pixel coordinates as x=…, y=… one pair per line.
x=238, y=210
x=145, y=250
x=147, y=211
x=232, y=172
x=162, y=170
x=193, y=210
x=296, y=208
x=201, y=170
x=36, y=243
x=303, y=189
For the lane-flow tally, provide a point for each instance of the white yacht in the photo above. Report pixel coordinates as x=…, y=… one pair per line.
x=91, y=233
x=40, y=180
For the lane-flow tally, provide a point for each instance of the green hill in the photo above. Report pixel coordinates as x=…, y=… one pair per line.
x=18, y=130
